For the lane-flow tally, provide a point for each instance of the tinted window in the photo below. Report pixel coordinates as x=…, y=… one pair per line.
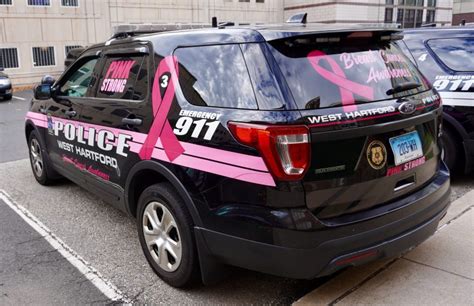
x=215, y=76
x=124, y=77
x=77, y=83
x=456, y=53
x=329, y=72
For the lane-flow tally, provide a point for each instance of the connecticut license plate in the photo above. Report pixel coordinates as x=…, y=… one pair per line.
x=406, y=147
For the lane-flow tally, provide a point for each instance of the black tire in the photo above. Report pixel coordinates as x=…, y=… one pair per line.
x=187, y=272
x=452, y=155
x=44, y=177
x=7, y=97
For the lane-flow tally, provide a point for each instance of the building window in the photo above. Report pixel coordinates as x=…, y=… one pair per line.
x=39, y=2
x=260, y=1
x=430, y=16
x=9, y=58
x=43, y=56
x=70, y=3
x=400, y=13
x=431, y=3
x=411, y=2
x=69, y=48
x=5, y=2
x=244, y=0
x=389, y=2
x=419, y=18
x=388, y=15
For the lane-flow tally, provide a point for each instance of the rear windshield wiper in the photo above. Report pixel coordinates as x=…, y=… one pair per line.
x=403, y=87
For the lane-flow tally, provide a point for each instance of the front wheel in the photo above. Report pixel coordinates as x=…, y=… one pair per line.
x=451, y=154
x=39, y=164
x=166, y=235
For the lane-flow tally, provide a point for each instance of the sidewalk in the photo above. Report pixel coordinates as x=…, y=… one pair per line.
x=439, y=271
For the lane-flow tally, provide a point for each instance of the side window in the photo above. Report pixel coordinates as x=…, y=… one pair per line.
x=77, y=83
x=456, y=53
x=124, y=77
x=215, y=76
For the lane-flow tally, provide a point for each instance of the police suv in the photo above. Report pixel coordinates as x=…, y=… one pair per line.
x=446, y=57
x=293, y=149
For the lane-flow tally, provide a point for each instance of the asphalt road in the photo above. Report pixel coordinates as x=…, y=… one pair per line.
x=33, y=272
x=107, y=239
x=12, y=126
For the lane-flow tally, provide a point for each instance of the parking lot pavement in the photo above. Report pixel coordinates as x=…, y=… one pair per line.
x=32, y=270
x=12, y=121
x=440, y=271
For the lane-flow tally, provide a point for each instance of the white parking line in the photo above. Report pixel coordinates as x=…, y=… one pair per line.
x=105, y=286
x=19, y=98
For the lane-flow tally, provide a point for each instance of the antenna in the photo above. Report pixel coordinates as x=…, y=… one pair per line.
x=298, y=18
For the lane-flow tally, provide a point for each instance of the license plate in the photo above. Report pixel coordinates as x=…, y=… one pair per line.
x=406, y=147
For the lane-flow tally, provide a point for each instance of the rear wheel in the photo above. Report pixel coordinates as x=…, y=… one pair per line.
x=7, y=97
x=166, y=235
x=451, y=153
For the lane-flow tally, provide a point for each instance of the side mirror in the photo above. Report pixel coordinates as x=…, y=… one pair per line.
x=42, y=92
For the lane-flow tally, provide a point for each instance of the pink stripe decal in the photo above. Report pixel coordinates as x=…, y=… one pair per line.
x=33, y=115
x=39, y=123
x=338, y=77
x=160, y=127
x=233, y=159
x=246, y=175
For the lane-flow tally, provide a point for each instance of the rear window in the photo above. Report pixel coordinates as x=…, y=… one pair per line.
x=215, y=76
x=456, y=53
x=334, y=71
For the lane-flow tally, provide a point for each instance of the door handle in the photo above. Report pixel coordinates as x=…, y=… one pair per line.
x=71, y=113
x=132, y=121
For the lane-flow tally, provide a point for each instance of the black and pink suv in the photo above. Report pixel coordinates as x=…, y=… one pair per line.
x=294, y=150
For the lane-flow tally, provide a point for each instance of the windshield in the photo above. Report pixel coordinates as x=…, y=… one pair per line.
x=338, y=71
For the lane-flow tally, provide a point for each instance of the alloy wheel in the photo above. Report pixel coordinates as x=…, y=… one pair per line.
x=162, y=236
x=36, y=157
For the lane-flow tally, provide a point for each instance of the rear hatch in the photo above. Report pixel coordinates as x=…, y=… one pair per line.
x=373, y=120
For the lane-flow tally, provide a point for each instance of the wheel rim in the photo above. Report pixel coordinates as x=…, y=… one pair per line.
x=162, y=236
x=36, y=157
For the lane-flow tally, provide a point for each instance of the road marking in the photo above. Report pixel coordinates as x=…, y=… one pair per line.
x=104, y=285
x=19, y=98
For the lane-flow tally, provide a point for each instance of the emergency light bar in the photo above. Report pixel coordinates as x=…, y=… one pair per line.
x=125, y=30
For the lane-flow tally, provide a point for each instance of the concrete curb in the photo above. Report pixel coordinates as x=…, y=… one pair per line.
x=353, y=278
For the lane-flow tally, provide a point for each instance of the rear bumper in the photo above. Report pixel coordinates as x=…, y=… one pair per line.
x=309, y=254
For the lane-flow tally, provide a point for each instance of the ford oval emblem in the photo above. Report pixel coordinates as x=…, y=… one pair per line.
x=407, y=108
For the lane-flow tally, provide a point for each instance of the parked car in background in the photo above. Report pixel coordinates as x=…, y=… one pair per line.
x=446, y=57
x=5, y=86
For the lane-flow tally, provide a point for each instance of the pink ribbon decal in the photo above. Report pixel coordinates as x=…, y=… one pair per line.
x=337, y=76
x=160, y=127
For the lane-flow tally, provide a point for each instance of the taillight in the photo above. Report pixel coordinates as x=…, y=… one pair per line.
x=285, y=149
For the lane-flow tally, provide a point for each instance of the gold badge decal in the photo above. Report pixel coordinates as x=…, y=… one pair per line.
x=376, y=154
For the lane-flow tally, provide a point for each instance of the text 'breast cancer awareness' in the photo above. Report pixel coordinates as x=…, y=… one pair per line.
x=337, y=76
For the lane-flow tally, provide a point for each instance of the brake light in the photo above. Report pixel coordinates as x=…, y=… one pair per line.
x=285, y=149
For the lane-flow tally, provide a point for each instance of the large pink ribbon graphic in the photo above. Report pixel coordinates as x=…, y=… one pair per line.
x=160, y=127
x=337, y=76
